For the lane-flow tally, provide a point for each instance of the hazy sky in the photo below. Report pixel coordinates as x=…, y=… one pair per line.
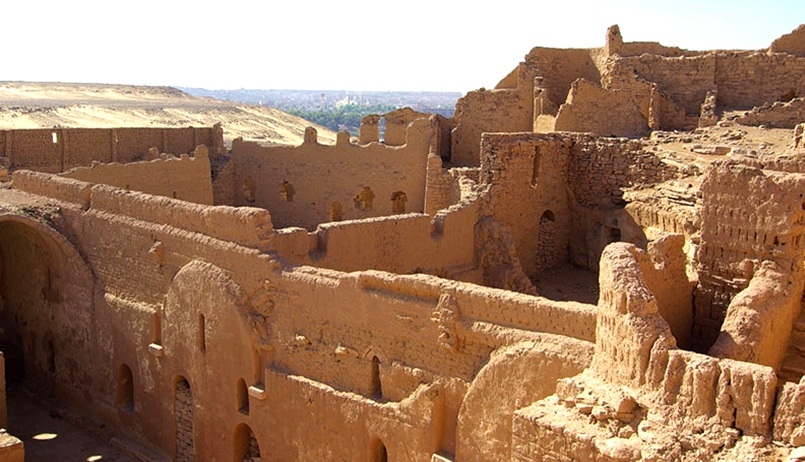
x=347, y=44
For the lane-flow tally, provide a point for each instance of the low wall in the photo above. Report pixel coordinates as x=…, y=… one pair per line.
x=777, y=115
x=400, y=244
x=186, y=178
x=59, y=149
x=245, y=226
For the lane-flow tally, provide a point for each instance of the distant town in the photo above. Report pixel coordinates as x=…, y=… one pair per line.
x=337, y=109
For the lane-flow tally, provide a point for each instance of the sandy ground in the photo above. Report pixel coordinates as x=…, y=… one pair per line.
x=52, y=435
x=46, y=105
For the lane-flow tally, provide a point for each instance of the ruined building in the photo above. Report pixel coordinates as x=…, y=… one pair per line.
x=601, y=259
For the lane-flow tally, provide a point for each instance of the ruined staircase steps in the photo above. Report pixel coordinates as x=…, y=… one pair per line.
x=793, y=366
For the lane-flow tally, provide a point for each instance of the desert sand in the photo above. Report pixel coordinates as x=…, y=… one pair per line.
x=63, y=105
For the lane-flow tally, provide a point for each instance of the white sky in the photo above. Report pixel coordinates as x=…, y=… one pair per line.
x=351, y=45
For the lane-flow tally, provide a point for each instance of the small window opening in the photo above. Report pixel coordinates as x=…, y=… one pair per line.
x=287, y=191
x=364, y=199
x=379, y=452
x=202, y=334
x=535, y=167
x=249, y=189
x=125, y=389
x=398, y=201
x=55, y=137
x=336, y=211
x=243, y=397
x=376, y=387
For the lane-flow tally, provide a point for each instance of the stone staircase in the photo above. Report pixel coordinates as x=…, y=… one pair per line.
x=793, y=366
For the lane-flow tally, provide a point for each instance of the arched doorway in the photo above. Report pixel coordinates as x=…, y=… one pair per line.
x=379, y=453
x=246, y=447
x=547, y=253
x=183, y=417
x=46, y=297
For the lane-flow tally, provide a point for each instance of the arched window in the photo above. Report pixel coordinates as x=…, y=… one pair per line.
x=246, y=449
x=243, y=397
x=125, y=389
x=379, y=452
x=183, y=418
x=376, y=388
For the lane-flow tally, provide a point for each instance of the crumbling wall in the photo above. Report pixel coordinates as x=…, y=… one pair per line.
x=747, y=216
x=590, y=108
x=686, y=80
x=60, y=149
x=791, y=43
x=401, y=244
x=361, y=180
x=778, y=115
x=527, y=175
x=223, y=181
x=789, y=425
x=186, y=178
x=758, y=322
x=442, y=187
x=557, y=69
x=749, y=79
x=397, y=125
x=420, y=329
x=641, y=398
x=487, y=111
x=599, y=171
x=498, y=110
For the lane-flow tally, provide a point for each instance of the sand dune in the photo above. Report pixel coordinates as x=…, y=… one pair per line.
x=39, y=105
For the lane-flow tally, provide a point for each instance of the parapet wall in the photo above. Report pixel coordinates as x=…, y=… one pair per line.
x=441, y=245
x=60, y=149
x=246, y=226
x=186, y=178
x=313, y=183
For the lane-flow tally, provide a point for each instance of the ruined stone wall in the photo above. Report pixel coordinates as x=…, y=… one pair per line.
x=777, y=115
x=186, y=178
x=590, y=108
x=749, y=79
x=397, y=125
x=600, y=169
x=557, y=69
x=686, y=80
x=223, y=181
x=527, y=173
x=307, y=199
x=401, y=244
x=442, y=188
x=487, y=111
x=747, y=215
x=792, y=43
x=655, y=48
x=58, y=150
x=599, y=172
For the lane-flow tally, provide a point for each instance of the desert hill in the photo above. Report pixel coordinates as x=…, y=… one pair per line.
x=40, y=105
